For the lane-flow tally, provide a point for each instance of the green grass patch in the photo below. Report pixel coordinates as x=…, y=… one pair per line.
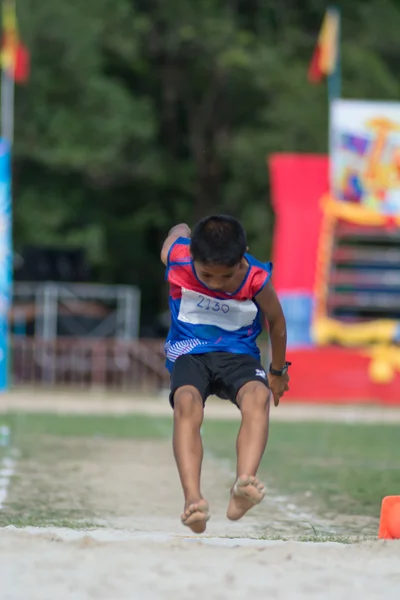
x=35, y=425
x=331, y=469
x=339, y=468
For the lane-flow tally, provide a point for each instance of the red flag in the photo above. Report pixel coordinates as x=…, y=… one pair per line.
x=22, y=65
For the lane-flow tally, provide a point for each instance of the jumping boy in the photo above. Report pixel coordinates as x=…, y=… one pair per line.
x=218, y=296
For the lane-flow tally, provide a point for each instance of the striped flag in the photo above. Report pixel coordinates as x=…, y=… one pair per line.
x=325, y=57
x=14, y=55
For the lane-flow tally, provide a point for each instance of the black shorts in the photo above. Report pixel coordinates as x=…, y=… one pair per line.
x=219, y=374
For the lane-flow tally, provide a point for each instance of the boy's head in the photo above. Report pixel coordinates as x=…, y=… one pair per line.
x=218, y=245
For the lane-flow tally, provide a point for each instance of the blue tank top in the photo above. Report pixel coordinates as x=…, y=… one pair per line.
x=204, y=320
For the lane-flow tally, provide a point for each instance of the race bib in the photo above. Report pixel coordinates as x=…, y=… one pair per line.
x=231, y=315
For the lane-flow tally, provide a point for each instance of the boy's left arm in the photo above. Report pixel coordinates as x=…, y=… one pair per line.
x=270, y=305
x=181, y=230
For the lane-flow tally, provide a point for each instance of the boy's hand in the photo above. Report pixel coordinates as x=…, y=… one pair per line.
x=278, y=384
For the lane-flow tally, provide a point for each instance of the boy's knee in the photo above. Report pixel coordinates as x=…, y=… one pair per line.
x=254, y=396
x=188, y=402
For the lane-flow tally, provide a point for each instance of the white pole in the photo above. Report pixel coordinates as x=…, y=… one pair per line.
x=7, y=107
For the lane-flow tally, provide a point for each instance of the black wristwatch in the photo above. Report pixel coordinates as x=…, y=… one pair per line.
x=279, y=372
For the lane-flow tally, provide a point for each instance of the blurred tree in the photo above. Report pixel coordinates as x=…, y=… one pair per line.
x=142, y=113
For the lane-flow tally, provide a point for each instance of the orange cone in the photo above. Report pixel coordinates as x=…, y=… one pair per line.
x=389, y=527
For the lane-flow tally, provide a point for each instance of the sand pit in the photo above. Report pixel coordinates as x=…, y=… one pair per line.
x=58, y=565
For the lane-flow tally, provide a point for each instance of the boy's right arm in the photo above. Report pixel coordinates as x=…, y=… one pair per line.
x=181, y=230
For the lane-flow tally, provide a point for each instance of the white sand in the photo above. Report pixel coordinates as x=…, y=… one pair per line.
x=143, y=552
x=45, y=566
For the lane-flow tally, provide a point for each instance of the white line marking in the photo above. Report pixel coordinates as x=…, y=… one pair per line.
x=114, y=535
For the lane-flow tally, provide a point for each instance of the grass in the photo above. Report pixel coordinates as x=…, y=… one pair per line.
x=340, y=468
x=330, y=469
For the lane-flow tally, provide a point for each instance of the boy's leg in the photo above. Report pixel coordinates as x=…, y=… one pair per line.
x=189, y=385
x=188, y=452
x=253, y=401
x=254, y=405
x=242, y=379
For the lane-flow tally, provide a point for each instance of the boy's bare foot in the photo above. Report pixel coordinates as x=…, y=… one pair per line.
x=196, y=515
x=246, y=493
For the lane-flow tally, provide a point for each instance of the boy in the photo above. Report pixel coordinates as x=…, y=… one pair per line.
x=217, y=294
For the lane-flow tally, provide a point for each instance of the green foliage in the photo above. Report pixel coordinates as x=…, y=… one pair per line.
x=141, y=114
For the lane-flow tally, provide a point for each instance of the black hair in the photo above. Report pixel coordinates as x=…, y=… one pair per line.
x=218, y=240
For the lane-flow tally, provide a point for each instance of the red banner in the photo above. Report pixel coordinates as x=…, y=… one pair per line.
x=298, y=182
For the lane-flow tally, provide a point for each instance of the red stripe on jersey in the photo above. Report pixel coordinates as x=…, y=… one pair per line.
x=175, y=291
x=181, y=275
x=257, y=279
x=179, y=252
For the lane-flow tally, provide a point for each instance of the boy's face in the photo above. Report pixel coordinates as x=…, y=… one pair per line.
x=219, y=278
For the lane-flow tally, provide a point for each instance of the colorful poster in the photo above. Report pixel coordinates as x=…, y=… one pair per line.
x=5, y=259
x=365, y=155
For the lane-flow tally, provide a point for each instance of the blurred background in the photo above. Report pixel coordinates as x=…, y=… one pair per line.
x=121, y=118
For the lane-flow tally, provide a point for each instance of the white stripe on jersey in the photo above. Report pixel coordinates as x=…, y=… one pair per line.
x=176, y=349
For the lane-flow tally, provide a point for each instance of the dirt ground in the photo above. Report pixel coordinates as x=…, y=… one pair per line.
x=97, y=402
x=143, y=552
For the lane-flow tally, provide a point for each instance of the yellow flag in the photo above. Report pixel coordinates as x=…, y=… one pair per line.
x=10, y=36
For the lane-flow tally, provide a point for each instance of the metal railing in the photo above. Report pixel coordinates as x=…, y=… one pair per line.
x=85, y=363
